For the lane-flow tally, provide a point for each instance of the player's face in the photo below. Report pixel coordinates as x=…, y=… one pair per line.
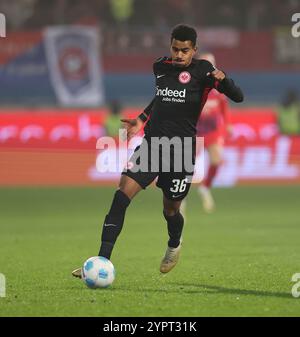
x=182, y=52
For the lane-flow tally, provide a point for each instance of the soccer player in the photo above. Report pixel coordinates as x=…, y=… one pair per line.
x=182, y=86
x=213, y=125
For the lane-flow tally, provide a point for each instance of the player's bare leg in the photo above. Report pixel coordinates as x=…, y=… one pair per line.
x=215, y=158
x=175, y=225
x=128, y=188
x=183, y=207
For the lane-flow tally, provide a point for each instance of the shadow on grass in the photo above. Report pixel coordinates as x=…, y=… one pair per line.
x=210, y=289
x=192, y=288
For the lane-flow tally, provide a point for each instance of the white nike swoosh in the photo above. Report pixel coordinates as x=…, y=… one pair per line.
x=159, y=76
x=109, y=224
x=178, y=195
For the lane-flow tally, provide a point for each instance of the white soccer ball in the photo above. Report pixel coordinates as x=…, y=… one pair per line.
x=98, y=272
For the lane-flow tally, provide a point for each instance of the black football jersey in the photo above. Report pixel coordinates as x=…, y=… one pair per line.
x=180, y=94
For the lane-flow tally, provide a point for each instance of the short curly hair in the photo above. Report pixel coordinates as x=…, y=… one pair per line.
x=184, y=32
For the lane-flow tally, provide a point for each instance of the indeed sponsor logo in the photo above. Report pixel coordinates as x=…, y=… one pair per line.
x=166, y=92
x=170, y=95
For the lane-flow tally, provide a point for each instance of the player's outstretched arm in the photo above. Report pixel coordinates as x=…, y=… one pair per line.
x=226, y=86
x=133, y=126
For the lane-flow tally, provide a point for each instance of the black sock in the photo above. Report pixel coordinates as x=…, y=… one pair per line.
x=113, y=223
x=175, y=226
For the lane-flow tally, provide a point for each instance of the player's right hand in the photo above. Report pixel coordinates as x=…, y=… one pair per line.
x=217, y=74
x=132, y=126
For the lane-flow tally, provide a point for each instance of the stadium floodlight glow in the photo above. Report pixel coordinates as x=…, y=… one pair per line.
x=296, y=27
x=2, y=25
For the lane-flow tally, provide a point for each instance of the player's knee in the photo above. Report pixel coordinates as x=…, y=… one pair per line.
x=170, y=211
x=216, y=161
x=129, y=187
x=127, y=192
x=174, y=220
x=216, y=158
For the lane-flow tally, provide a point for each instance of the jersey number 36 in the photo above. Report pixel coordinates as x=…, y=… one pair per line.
x=179, y=185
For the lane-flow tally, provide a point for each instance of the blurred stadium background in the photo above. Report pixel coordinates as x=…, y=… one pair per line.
x=64, y=66
x=63, y=63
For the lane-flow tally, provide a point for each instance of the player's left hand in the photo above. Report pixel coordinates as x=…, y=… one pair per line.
x=217, y=75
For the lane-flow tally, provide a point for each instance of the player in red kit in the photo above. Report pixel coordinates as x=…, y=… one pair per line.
x=214, y=125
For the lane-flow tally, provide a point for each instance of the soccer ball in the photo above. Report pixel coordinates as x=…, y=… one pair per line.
x=98, y=272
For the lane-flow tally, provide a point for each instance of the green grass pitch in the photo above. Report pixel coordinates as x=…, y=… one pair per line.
x=238, y=261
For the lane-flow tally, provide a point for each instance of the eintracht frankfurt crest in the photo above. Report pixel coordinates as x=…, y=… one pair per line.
x=184, y=77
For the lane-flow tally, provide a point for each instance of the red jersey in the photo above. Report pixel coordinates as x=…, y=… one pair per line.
x=214, y=117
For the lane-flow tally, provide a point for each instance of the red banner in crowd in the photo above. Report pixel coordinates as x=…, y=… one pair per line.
x=50, y=129
x=59, y=147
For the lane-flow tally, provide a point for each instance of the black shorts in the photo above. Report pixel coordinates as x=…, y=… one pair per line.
x=175, y=185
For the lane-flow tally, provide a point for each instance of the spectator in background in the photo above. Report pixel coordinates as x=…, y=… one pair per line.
x=122, y=11
x=289, y=114
x=113, y=123
x=16, y=12
x=43, y=14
